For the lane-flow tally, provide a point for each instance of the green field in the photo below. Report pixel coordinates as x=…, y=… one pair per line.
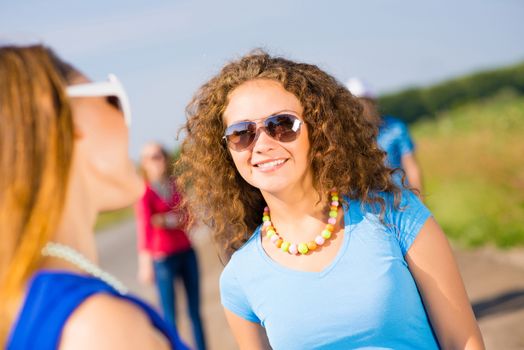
x=109, y=218
x=472, y=158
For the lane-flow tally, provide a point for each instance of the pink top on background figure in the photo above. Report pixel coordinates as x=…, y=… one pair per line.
x=160, y=235
x=165, y=251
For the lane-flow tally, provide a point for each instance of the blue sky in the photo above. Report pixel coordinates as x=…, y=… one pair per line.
x=164, y=50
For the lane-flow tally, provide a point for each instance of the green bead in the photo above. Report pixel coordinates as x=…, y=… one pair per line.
x=333, y=214
x=326, y=234
x=285, y=246
x=265, y=218
x=270, y=233
x=302, y=248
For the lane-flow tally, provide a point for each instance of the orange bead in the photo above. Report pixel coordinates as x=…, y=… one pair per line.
x=330, y=227
x=278, y=243
x=311, y=245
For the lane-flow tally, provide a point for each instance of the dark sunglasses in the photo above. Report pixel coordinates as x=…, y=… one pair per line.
x=281, y=127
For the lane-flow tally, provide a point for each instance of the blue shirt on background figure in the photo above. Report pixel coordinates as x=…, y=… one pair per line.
x=393, y=136
x=394, y=139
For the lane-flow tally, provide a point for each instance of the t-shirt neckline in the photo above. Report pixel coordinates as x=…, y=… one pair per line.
x=346, y=238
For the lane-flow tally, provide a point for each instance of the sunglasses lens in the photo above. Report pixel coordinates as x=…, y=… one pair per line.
x=239, y=136
x=114, y=101
x=282, y=127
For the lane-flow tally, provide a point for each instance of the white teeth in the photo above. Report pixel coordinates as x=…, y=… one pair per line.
x=270, y=164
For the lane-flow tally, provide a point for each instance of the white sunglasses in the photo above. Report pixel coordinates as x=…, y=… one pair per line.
x=111, y=87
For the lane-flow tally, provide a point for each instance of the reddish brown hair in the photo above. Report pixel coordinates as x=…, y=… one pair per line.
x=36, y=146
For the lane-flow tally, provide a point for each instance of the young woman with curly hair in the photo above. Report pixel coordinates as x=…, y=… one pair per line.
x=327, y=252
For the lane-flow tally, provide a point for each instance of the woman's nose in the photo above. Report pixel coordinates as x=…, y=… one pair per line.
x=263, y=142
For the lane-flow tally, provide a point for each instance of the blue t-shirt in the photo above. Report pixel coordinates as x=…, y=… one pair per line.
x=394, y=139
x=366, y=298
x=52, y=297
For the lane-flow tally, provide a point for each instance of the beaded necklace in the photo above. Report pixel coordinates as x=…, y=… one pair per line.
x=303, y=247
x=70, y=255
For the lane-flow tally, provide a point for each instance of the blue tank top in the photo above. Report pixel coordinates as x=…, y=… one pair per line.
x=52, y=297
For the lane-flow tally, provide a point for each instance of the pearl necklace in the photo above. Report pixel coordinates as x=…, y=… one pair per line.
x=70, y=255
x=304, y=247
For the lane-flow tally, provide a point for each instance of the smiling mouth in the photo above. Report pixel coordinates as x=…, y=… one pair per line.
x=271, y=164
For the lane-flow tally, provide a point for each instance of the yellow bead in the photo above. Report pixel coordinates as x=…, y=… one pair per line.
x=285, y=246
x=326, y=234
x=270, y=233
x=265, y=218
x=302, y=248
x=333, y=214
x=311, y=245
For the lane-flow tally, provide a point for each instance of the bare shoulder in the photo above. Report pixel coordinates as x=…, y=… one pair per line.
x=106, y=322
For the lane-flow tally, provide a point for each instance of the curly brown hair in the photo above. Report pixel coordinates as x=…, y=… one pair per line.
x=343, y=153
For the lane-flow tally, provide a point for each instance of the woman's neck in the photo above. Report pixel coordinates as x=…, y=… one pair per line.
x=76, y=228
x=298, y=215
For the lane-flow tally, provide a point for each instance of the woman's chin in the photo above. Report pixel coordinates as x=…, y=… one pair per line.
x=136, y=190
x=126, y=195
x=273, y=189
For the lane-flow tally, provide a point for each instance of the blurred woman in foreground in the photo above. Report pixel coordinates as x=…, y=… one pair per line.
x=64, y=158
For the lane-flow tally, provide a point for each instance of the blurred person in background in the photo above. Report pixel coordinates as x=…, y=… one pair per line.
x=165, y=251
x=393, y=135
x=327, y=250
x=64, y=158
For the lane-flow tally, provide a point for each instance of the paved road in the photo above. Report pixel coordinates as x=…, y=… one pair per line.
x=495, y=285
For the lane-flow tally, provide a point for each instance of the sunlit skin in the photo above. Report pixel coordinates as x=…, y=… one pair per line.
x=298, y=215
x=102, y=177
x=280, y=180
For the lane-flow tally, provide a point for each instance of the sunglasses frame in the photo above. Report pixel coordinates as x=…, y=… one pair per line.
x=155, y=157
x=111, y=87
x=297, y=123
